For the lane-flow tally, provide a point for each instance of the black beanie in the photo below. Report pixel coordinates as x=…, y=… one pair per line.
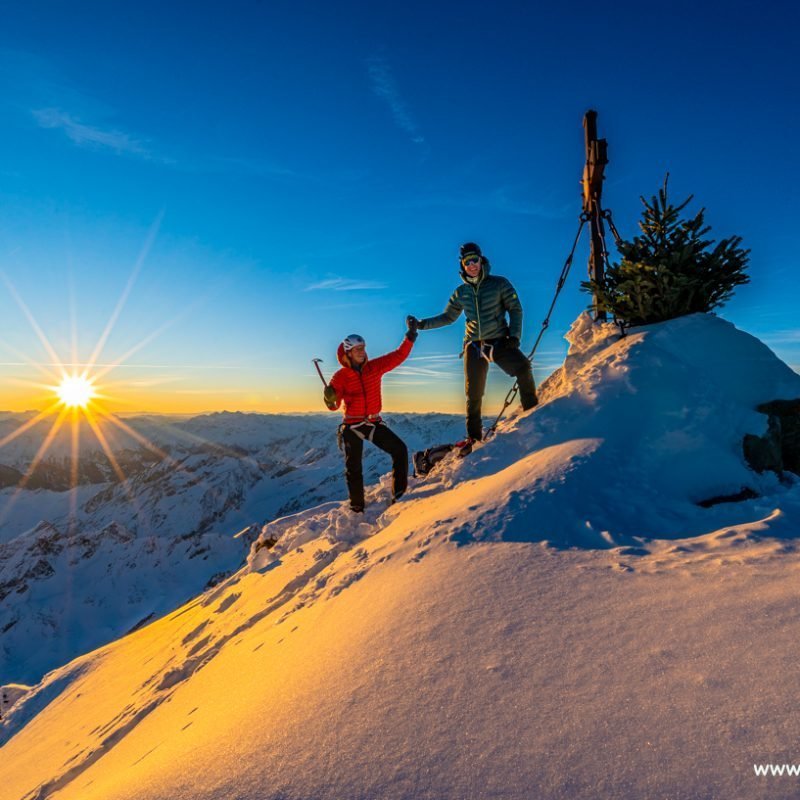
x=470, y=248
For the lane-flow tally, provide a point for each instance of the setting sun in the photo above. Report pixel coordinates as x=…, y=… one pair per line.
x=75, y=391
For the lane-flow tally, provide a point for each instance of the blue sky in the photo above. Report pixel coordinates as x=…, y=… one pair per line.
x=265, y=178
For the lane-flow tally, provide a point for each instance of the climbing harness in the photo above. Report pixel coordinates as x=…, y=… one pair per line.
x=484, y=349
x=356, y=428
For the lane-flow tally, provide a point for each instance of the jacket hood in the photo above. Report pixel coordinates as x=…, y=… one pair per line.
x=486, y=268
x=344, y=359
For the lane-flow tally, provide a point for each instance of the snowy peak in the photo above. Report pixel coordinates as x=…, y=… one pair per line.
x=667, y=407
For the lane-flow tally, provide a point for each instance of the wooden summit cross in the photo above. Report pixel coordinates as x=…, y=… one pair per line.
x=596, y=160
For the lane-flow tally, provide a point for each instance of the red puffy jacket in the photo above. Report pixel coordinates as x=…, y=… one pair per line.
x=361, y=389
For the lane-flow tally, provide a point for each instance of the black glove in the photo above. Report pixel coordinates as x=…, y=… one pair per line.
x=330, y=397
x=513, y=341
x=413, y=325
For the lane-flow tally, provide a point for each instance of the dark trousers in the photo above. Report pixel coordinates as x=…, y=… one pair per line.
x=512, y=361
x=389, y=442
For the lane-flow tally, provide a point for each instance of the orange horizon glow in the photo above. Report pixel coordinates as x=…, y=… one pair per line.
x=211, y=402
x=302, y=397
x=127, y=398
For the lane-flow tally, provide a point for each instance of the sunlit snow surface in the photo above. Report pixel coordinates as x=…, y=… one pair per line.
x=553, y=617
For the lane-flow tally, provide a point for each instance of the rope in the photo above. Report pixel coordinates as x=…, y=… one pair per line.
x=512, y=392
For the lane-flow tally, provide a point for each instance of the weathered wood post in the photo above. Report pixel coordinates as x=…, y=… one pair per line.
x=596, y=160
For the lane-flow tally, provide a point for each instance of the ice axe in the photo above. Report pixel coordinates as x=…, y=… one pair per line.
x=316, y=362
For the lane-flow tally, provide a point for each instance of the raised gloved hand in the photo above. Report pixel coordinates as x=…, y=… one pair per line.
x=329, y=395
x=513, y=341
x=413, y=327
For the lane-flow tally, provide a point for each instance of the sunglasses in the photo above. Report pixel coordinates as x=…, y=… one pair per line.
x=470, y=260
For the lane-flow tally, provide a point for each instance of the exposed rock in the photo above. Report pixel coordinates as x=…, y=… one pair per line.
x=779, y=448
x=49, y=540
x=745, y=494
x=40, y=569
x=788, y=413
x=763, y=453
x=118, y=532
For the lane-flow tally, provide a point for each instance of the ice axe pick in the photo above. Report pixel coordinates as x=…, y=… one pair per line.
x=316, y=362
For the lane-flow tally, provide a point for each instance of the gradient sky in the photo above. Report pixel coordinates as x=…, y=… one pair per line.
x=258, y=179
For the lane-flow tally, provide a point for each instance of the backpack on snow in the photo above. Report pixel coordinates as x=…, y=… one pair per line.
x=426, y=460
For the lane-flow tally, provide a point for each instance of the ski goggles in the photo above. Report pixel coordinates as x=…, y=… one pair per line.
x=468, y=261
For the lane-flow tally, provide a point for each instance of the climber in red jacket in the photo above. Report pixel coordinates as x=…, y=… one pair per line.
x=358, y=385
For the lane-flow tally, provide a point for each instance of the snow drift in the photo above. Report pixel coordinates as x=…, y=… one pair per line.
x=553, y=617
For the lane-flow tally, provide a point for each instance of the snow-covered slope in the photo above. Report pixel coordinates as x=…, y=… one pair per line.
x=79, y=570
x=554, y=617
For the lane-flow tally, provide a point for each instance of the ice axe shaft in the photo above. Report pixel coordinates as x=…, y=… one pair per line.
x=316, y=362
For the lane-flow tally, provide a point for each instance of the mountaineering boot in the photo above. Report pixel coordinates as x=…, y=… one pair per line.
x=464, y=448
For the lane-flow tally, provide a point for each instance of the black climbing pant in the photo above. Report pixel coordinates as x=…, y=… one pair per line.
x=353, y=438
x=476, y=366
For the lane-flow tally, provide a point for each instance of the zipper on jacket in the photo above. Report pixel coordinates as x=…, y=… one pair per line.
x=364, y=392
x=478, y=309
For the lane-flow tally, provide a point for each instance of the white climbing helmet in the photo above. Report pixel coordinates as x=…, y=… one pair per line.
x=353, y=340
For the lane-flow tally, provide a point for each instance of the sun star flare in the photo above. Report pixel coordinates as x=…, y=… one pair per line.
x=75, y=391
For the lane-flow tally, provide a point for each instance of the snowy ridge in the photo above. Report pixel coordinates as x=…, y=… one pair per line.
x=440, y=647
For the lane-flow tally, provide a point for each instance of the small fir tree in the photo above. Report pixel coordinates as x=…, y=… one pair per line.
x=669, y=269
